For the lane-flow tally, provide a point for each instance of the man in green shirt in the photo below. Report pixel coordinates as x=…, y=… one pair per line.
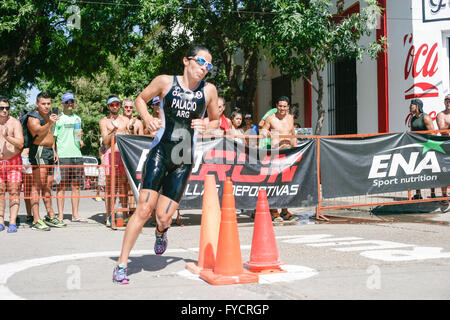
x=68, y=136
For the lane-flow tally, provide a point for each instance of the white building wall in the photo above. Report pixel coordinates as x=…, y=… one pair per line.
x=405, y=28
x=417, y=59
x=264, y=88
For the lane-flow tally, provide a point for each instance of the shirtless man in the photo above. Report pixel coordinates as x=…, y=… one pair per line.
x=155, y=114
x=111, y=125
x=280, y=123
x=40, y=124
x=11, y=143
x=135, y=126
x=443, y=122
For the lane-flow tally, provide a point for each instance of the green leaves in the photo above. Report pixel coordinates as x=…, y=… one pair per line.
x=305, y=36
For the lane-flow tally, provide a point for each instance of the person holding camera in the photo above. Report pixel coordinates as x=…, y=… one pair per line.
x=40, y=124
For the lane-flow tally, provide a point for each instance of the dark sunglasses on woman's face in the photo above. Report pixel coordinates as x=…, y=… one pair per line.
x=4, y=108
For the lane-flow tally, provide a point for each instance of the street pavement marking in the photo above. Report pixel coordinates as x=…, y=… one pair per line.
x=376, y=250
x=9, y=269
x=293, y=273
x=417, y=253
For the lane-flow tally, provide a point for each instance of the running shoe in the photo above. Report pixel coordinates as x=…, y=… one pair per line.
x=161, y=242
x=108, y=222
x=40, y=225
x=287, y=216
x=12, y=228
x=120, y=274
x=276, y=216
x=30, y=219
x=54, y=222
x=445, y=206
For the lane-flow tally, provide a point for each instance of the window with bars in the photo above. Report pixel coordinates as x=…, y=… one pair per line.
x=331, y=100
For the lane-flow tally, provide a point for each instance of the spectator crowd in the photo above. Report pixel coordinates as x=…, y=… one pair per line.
x=43, y=147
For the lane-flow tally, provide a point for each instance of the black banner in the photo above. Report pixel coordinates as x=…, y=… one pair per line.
x=387, y=163
x=288, y=175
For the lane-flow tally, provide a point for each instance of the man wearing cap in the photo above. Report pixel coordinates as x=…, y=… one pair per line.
x=443, y=122
x=156, y=102
x=111, y=125
x=420, y=121
x=68, y=135
x=11, y=143
x=156, y=114
x=40, y=124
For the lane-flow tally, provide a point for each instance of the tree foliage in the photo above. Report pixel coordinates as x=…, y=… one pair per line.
x=229, y=28
x=38, y=40
x=304, y=36
x=119, y=46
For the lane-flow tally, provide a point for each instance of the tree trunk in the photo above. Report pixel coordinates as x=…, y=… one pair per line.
x=249, y=82
x=243, y=82
x=320, y=110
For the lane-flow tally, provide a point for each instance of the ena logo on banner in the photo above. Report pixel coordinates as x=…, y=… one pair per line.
x=388, y=164
x=418, y=168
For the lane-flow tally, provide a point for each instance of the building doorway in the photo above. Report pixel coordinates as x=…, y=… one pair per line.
x=281, y=86
x=345, y=113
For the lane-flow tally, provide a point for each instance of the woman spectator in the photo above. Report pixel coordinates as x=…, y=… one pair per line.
x=236, y=121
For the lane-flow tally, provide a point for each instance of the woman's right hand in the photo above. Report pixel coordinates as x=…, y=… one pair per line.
x=153, y=124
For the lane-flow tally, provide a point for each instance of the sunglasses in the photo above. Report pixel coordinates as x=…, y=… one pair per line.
x=201, y=61
x=4, y=108
x=114, y=104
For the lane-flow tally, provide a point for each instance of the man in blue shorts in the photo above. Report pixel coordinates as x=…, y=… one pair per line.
x=184, y=100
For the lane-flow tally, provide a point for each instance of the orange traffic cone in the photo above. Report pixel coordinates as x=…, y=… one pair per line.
x=210, y=224
x=264, y=254
x=228, y=268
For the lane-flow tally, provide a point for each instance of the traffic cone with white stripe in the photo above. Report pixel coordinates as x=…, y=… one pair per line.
x=209, y=230
x=264, y=253
x=228, y=268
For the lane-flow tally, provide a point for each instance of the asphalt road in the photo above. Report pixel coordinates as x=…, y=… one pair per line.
x=357, y=256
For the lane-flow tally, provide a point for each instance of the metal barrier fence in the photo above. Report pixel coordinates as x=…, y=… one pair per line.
x=95, y=181
x=372, y=200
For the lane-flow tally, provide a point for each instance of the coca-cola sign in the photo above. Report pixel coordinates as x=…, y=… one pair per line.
x=435, y=10
x=421, y=64
x=421, y=73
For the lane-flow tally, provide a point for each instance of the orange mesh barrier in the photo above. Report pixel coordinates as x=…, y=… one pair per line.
x=92, y=181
